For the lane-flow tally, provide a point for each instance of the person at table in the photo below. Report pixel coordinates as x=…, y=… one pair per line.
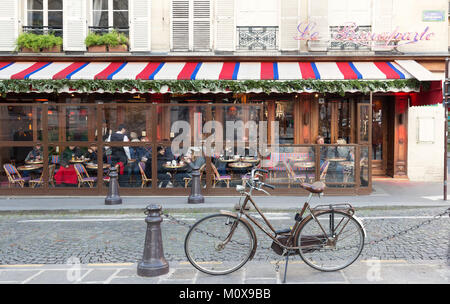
x=71, y=152
x=36, y=154
x=120, y=154
x=162, y=174
x=66, y=174
x=192, y=163
x=145, y=152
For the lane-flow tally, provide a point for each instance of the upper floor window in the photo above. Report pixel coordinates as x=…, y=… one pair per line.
x=43, y=16
x=191, y=25
x=110, y=14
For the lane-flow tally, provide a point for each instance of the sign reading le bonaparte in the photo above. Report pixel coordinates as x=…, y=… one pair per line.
x=351, y=32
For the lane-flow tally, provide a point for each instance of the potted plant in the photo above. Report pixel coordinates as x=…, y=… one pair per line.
x=51, y=43
x=95, y=43
x=118, y=42
x=32, y=43
x=112, y=42
x=28, y=43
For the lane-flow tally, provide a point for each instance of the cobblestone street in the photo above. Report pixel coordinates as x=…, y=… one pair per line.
x=53, y=239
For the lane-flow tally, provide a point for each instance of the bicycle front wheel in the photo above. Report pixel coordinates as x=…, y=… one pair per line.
x=334, y=244
x=206, y=250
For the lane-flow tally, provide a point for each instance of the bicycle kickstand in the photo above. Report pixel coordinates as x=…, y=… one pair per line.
x=286, y=266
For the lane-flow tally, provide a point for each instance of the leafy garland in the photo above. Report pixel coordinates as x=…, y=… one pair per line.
x=197, y=86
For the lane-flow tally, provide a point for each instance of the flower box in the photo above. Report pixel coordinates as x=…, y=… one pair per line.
x=118, y=49
x=55, y=49
x=27, y=50
x=97, y=49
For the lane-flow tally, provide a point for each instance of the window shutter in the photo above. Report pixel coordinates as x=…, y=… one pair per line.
x=202, y=25
x=140, y=30
x=383, y=15
x=9, y=23
x=288, y=25
x=318, y=13
x=225, y=25
x=74, y=25
x=180, y=25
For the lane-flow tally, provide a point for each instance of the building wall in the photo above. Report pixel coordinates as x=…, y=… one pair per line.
x=426, y=159
x=383, y=16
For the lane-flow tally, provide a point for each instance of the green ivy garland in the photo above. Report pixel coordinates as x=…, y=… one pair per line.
x=232, y=86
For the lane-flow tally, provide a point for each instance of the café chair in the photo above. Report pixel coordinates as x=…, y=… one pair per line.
x=217, y=178
x=39, y=181
x=83, y=176
x=55, y=159
x=144, y=177
x=14, y=176
x=292, y=177
x=187, y=180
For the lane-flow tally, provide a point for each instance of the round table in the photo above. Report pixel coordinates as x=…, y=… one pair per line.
x=240, y=165
x=173, y=170
x=34, y=162
x=336, y=159
x=249, y=160
x=95, y=166
x=78, y=161
x=29, y=167
x=228, y=160
x=305, y=164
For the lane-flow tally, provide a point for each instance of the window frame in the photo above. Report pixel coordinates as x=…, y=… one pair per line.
x=45, y=10
x=111, y=12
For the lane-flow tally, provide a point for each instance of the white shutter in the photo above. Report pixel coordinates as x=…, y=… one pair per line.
x=180, y=25
x=288, y=25
x=140, y=29
x=318, y=13
x=225, y=25
x=202, y=25
x=74, y=25
x=383, y=15
x=9, y=24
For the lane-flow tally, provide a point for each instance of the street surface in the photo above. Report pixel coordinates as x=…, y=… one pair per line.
x=100, y=238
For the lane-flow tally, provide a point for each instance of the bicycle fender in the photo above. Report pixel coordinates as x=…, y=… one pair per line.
x=362, y=225
x=252, y=231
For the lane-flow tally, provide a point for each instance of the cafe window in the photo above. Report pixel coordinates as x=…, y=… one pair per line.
x=44, y=16
x=110, y=14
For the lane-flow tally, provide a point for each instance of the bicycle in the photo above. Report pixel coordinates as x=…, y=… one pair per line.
x=329, y=238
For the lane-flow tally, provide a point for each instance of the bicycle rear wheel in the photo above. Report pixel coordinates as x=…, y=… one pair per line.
x=204, y=246
x=317, y=248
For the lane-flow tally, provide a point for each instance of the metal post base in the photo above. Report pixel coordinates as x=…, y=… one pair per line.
x=152, y=270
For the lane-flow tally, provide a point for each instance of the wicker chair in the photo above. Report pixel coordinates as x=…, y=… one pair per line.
x=187, y=180
x=14, y=177
x=39, y=181
x=144, y=177
x=83, y=176
x=217, y=178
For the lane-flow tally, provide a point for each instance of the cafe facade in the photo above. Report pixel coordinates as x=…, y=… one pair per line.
x=365, y=75
x=362, y=109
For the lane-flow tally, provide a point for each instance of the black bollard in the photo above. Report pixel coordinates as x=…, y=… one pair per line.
x=153, y=262
x=113, y=197
x=196, y=196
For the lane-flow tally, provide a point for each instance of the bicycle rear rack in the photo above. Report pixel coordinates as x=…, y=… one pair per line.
x=344, y=207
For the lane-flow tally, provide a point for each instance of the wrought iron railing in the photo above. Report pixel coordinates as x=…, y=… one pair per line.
x=257, y=38
x=338, y=45
x=42, y=30
x=107, y=29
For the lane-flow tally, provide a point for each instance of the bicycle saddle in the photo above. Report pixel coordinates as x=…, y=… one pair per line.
x=316, y=187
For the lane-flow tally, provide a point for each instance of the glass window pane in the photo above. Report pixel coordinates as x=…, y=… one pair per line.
x=284, y=115
x=120, y=19
x=100, y=4
x=100, y=18
x=73, y=123
x=325, y=121
x=364, y=166
x=120, y=5
x=35, y=19
x=337, y=165
x=15, y=172
x=55, y=19
x=20, y=123
x=55, y=5
x=35, y=5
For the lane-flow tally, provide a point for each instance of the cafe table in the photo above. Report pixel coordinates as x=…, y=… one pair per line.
x=30, y=167
x=173, y=169
x=79, y=160
x=93, y=166
x=34, y=162
x=249, y=160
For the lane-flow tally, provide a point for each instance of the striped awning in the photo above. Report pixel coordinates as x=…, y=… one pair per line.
x=204, y=70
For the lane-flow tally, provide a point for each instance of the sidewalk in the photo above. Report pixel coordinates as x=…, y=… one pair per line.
x=362, y=272
x=386, y=194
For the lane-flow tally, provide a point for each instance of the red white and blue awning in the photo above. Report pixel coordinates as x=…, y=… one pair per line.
x=203, y=70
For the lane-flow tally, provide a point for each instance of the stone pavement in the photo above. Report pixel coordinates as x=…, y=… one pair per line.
x=362, y=272
x=391, y=193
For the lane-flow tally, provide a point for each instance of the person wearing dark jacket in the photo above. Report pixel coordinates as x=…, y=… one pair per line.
x=162, y=175
x=120, y=154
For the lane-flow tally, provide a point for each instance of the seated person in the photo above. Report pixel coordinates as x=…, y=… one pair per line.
x=162, y=174
x=66, y=174
x=92, y=154
x=71, y=152
x=35, y=154
x=192, y=162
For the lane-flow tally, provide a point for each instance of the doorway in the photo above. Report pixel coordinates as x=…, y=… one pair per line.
x=383, y=128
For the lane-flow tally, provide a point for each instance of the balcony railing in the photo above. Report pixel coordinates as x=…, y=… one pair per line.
x=336, y=45
x=43, y=30
x=253, y=38
x=107, y=29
